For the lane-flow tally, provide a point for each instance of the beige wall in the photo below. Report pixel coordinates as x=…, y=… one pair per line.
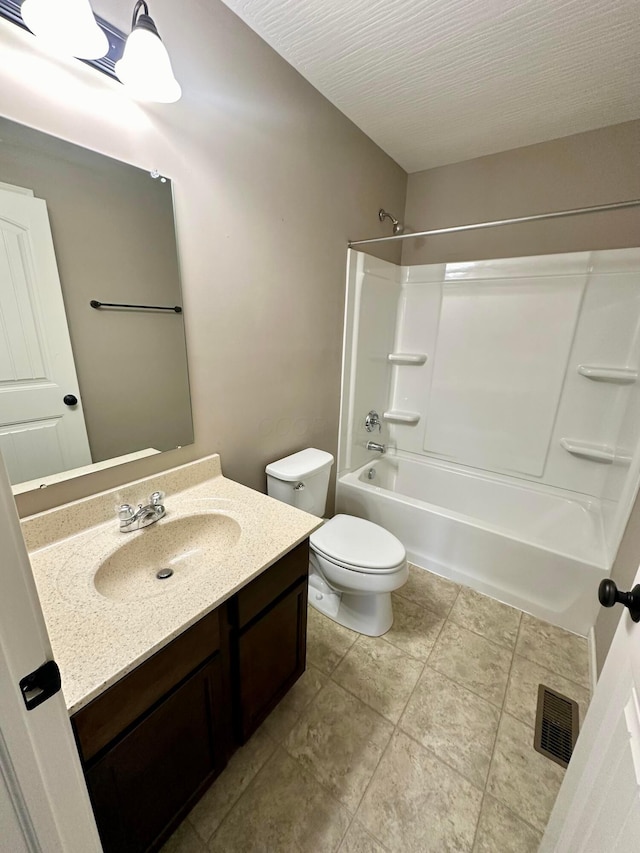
x=114, y=239
x=577, y=171
x=270, y=182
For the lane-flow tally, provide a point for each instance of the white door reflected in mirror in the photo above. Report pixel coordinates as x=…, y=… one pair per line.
x=40, y=433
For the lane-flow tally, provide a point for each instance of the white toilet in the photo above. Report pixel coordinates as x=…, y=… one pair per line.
x=354, y=565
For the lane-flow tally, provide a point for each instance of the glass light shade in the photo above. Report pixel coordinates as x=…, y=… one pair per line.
x=145, y=69
x=67, y=26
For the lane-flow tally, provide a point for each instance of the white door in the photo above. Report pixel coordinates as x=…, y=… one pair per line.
x=598, y=806
x=39, y=433
x=44, y=805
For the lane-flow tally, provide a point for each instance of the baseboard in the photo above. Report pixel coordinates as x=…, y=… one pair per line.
x=593, y=669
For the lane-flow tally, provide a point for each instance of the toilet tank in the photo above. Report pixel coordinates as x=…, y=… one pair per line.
x=301, y=480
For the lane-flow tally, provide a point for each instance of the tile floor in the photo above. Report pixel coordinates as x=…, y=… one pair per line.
x=421, y=740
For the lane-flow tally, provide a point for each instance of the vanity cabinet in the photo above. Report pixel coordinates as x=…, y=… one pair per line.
x=153, y=742
x=139, y=786
x=268, y=639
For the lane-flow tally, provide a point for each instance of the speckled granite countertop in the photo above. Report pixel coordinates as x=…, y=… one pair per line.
x=96, y=640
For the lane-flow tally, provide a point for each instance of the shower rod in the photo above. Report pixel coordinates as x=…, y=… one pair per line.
x=537, y=217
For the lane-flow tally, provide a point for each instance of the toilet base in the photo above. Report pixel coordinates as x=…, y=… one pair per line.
x=369, y=614
x=323, y=598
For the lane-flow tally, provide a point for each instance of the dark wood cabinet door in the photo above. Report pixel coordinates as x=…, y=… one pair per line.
x=143, y=785
x=271, y=657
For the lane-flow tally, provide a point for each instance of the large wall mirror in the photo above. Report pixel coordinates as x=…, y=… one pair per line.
x=81, y=385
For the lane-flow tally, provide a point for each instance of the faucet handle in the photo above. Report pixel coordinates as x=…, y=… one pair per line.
x=372, y=421
x=157, y=499
x=126, y=512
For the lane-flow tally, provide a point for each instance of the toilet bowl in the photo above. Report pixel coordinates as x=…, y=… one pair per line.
x=354, y=565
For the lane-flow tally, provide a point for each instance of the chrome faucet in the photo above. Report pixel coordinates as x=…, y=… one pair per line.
x=379, y=448
x=135, y=519
x=372, y=421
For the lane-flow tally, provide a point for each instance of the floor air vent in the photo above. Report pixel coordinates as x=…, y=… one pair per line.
x=556, y=725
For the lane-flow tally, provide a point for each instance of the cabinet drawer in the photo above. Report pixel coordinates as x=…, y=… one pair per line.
x=263, y=591
x=119, y=706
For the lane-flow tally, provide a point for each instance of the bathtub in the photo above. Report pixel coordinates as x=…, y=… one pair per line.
x=539, y=550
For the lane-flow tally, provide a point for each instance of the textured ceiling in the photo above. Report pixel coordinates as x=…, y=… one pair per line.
x=439, y=81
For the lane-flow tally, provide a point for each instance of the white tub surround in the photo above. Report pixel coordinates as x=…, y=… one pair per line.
x=520, y=419
x=96, y=639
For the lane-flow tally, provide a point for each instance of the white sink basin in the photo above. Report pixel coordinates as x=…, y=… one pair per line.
x=177, y=547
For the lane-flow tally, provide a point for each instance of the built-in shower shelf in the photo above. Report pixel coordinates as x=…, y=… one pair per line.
x=408, y=418
x=586, y=450
x=618, y=375
x=415, y=358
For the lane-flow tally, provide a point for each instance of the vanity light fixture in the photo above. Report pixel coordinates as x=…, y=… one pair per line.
x=67, y=26
x=145, y=67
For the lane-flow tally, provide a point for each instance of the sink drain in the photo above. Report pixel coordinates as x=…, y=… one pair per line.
x=163, y=574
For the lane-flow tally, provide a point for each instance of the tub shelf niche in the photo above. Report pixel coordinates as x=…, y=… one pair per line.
x=407, y=418
x=617, y=375
x=415, y=358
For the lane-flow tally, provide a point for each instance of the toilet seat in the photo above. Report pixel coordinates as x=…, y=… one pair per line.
x=358, y=545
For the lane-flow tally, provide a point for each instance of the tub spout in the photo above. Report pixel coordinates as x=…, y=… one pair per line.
x=379, y=448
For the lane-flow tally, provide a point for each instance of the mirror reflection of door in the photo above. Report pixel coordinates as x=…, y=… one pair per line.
x=40, y=434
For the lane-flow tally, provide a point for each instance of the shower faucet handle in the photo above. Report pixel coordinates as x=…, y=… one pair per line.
x=372, y=421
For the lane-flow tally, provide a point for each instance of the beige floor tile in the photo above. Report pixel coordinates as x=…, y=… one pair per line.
x=184, y=840
x=520, y=778
x=340, y=740
x=358, y=840
x=327, y=642
x=379, y=674
x=500, y=831
x=285, y=715
x=455, y=724
x=416, y=804
x=429, y=590
x=486, y=616
x=209, y=812
x=472, y=661
x=554, y=649
x=415, y=629
x=522, y=691
x=283, y=809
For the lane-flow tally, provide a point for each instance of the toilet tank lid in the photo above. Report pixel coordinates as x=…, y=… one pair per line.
x=300, y=465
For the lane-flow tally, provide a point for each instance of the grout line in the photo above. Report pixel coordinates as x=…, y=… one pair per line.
x=239, y=794
x=475, y=834
x=367, y=704
x=450, y=610
x=316, y=777
x=440, y=614
x=440, y=759
x=485, y=792
x=554, y=672
x=519, y=817
x=368, y=785
x=239, y=799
